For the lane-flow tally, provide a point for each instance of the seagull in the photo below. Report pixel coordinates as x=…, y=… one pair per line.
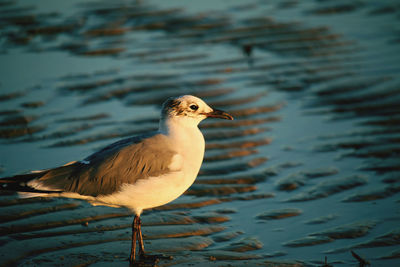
x=138, y=173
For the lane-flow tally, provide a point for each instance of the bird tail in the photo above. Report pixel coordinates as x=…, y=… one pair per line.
x=20, y=184
x=29, y=185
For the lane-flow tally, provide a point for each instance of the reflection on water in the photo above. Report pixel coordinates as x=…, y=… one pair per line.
x=309, y=168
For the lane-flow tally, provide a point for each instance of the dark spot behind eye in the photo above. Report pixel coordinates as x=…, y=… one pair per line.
x=194, y=107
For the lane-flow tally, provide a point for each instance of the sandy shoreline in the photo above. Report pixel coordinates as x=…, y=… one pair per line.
x=309, y=169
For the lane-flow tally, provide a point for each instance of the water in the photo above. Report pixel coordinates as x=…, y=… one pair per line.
x=316, y=106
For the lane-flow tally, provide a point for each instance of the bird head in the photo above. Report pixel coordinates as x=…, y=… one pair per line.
x=190, y=108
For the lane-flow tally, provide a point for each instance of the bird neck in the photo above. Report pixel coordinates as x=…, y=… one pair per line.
x=188, y=142
x=174, y=125
x=184, y=131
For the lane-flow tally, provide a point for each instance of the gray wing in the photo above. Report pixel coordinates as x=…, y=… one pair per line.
x=104, y=172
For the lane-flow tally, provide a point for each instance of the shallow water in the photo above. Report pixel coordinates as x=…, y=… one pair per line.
x=309, y=168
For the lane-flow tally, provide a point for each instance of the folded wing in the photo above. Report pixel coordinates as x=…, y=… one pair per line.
x=103, y=172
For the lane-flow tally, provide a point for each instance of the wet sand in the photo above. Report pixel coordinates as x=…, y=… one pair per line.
x=309, y=168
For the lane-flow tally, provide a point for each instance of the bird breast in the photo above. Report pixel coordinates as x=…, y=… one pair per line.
x=191, y=148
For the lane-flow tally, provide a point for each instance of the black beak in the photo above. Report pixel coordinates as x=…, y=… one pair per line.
x=216, y=113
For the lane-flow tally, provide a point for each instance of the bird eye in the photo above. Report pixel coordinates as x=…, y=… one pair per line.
x=194, y=107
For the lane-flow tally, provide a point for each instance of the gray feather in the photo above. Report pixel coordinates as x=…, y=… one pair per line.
x=123, y=162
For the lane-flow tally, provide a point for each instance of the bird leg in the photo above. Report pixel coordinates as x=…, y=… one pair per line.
x=142, y=254
x=135, y=229
x=140, y=239
x=137, y=236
